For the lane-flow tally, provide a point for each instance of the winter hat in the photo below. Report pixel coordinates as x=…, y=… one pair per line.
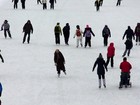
x=87, y=26
x=124, y=59
x=58, y=23
x=77, y=26
x=100, y=55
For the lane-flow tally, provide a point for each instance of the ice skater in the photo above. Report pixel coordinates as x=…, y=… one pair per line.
x=100, y=69
x=78, y=34
x=6, y=27
x=59, y=61
x=27, y=29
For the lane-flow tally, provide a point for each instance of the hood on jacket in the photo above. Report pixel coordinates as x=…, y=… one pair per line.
x=111, y=44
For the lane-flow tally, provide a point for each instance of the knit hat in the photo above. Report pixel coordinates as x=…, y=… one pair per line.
x=100, y=55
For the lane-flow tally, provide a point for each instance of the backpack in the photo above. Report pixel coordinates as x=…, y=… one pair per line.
x=78, y=32
x=56, y=29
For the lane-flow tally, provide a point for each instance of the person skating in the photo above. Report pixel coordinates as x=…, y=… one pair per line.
x=15, y=3
x=27, y=29
x=97, y=4
x=110, y=54
x=66, y=33
x=128, y=46
x=78, y=34
x=105, y=34
x=125, y=67
x=6, y=27
x=100, y=62
x=52, y=4
x=87, y=34
x=44, y=3
x=129, y=33
x=59, y=61
x=137, y=33
x=57, y=32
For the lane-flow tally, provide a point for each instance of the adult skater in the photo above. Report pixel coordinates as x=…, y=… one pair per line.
x=78, y=34
x=44, y=3
x=6, y=27
x=110, y=54
x=118, y=2
x=27, y=29
x=23, y=4
x=125, y=67
x=1, y=58
x=129, y=33
x=97, y=4
x=66, y=33
x=87, y=34
x=100, y=69
x=137, y=33
x=38, y=1
x=52, y=4
x=105, y=34
x=59, y=61
x=15, y=4
x=128, y=46
x=57, y=32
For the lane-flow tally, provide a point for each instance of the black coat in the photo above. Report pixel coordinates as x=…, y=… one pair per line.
x=59, y=60
x=101, y=66
x=66, y=30
x=28, y=28
x=129, y=34
x=106, y=32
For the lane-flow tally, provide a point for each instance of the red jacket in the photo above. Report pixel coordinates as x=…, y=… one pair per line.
x=111, y=50
x=125, y=66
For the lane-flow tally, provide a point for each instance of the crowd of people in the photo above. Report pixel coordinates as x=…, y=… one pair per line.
x=42, y=2
x=59, y=59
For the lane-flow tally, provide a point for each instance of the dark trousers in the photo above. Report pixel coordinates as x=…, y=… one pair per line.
x=59, y=70
x=57, y=38
x=7, y=31
x=125, y=78
x=52, y=6
x=97, y=8
x=38, y=1
x=88, y=41
x=105, y=41
x=3, y=62
x=23, y=5
x=25, y=35
x=101, y=76
x=66, y=38
x=112, y=61
x=44, y=6
x=126, y=51
x=118, y=2
x=15, y=5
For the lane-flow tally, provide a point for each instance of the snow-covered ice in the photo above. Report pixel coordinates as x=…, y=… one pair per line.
x=29, y=75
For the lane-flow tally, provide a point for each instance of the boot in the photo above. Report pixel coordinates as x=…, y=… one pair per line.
x=99, y=83
x=104, y=83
